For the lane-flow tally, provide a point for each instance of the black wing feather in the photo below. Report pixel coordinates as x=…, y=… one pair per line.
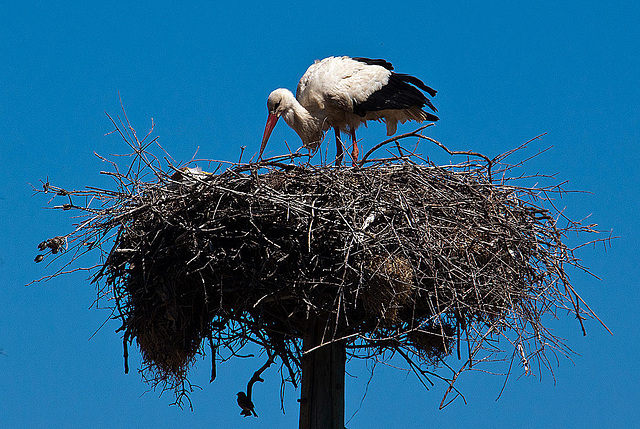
x=417, y=82
x=374, y=62
x=399, y=93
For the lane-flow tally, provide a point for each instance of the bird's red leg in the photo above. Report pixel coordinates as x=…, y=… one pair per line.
x=339, y=152
x=354, y=151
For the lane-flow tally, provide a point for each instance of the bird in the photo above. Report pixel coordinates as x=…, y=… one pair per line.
x=343, y=93
x=245, y=403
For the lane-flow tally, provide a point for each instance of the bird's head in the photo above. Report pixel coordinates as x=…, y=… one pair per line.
x=279, y=101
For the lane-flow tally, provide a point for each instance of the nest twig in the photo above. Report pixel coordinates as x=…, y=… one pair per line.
x=399, y=256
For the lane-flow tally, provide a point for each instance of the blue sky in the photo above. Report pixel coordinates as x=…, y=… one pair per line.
x=505, y=72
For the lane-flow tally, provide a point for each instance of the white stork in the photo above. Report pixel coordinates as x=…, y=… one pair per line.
x=343, y=93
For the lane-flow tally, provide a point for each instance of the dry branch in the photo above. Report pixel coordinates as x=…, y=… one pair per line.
x=399, y=256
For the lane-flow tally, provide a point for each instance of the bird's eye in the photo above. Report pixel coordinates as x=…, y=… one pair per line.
x=275, y=106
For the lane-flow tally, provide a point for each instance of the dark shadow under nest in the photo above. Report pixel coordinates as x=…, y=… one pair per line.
x=397, y=256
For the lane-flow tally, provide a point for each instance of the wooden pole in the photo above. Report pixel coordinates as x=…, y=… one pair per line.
x=322, y=391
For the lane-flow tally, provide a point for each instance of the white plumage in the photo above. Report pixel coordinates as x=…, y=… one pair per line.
x=343, y=93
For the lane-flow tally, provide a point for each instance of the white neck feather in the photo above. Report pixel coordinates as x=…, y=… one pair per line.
x=307, y=126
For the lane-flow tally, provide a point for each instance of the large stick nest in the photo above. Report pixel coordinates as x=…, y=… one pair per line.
x=398, y=256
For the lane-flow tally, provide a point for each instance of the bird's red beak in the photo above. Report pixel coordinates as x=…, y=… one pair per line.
x=271, y=123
